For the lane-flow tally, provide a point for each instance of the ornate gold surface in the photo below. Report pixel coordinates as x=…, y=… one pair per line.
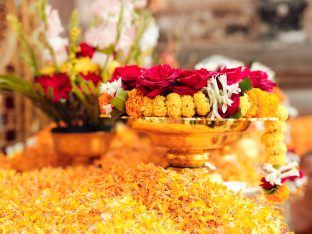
x=189, y=139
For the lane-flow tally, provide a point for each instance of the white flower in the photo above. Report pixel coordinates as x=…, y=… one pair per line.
x=213, y=62
x=99, y=58
x=111, y=87
x=220, y=97
x=101, y=36
x=53, y=35
x=108, y=109
x=150, y=37
x=274, y=176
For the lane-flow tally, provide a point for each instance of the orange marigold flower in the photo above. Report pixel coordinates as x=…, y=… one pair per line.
x=188, y=106
x=263, y=101
x=281, y=194
x=135, y=102
x=159, y=106
x=104, y=99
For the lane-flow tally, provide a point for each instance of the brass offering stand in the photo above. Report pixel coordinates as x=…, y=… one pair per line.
x=189, y=140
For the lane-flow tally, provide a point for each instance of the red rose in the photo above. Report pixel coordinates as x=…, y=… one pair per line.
x=128, y=75
x=157, y=80
x=259, y=79
x=85, y=50
x=266, y=185
x=231, y=110
x=95, y=78
x=191, y=81
x=59, y=83
x=234, y=75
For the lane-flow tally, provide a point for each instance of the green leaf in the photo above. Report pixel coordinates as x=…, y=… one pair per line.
x=238, y=114
x=50, y=93
x=108, y=50
x=270, y=191
x=119, y=100
x=245, y=85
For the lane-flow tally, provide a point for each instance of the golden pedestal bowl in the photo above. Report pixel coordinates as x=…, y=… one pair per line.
x=189, y=139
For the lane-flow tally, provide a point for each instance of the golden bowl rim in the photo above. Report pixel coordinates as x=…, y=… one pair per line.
x=199, y=120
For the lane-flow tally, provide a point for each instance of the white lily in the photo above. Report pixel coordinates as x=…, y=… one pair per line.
x=274, y=176
x=111, y=87
x=220, y=97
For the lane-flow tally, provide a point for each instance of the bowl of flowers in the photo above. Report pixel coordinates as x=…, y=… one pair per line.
x=67, y=72
x=191, y=112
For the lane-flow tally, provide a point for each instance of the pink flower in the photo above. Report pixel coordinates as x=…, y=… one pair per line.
x=259, y=79
x=157, y=80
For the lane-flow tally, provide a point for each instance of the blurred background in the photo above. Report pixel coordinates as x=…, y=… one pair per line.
x=277, y=33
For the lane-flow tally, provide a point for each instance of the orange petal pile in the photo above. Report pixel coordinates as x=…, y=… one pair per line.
x=141, y=199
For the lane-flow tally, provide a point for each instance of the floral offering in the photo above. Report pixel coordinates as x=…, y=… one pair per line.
x=163, y=91
x=68, y=70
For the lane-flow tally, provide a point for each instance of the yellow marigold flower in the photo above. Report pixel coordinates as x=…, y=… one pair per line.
x=201, y=103
x=279, y=148
x=148, y=106
x=263, y=103
x=275, y=126
x=112, y=66
x=252, y=98
x=49, y=70
x=276, y=159
x=282, y=113
x=274, y=104
x=135, y=102
x=244, y=105
x=159, y=106
x=281, y=194
x=272, y=138
x=188, y=106
x=174, y=105
x=84, y=65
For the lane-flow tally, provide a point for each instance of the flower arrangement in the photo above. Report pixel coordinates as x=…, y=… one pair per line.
x=163, y=91
x=68, y=71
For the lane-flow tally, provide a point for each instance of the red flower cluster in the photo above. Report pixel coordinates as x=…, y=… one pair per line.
x=59, y=83
x=162, y=79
